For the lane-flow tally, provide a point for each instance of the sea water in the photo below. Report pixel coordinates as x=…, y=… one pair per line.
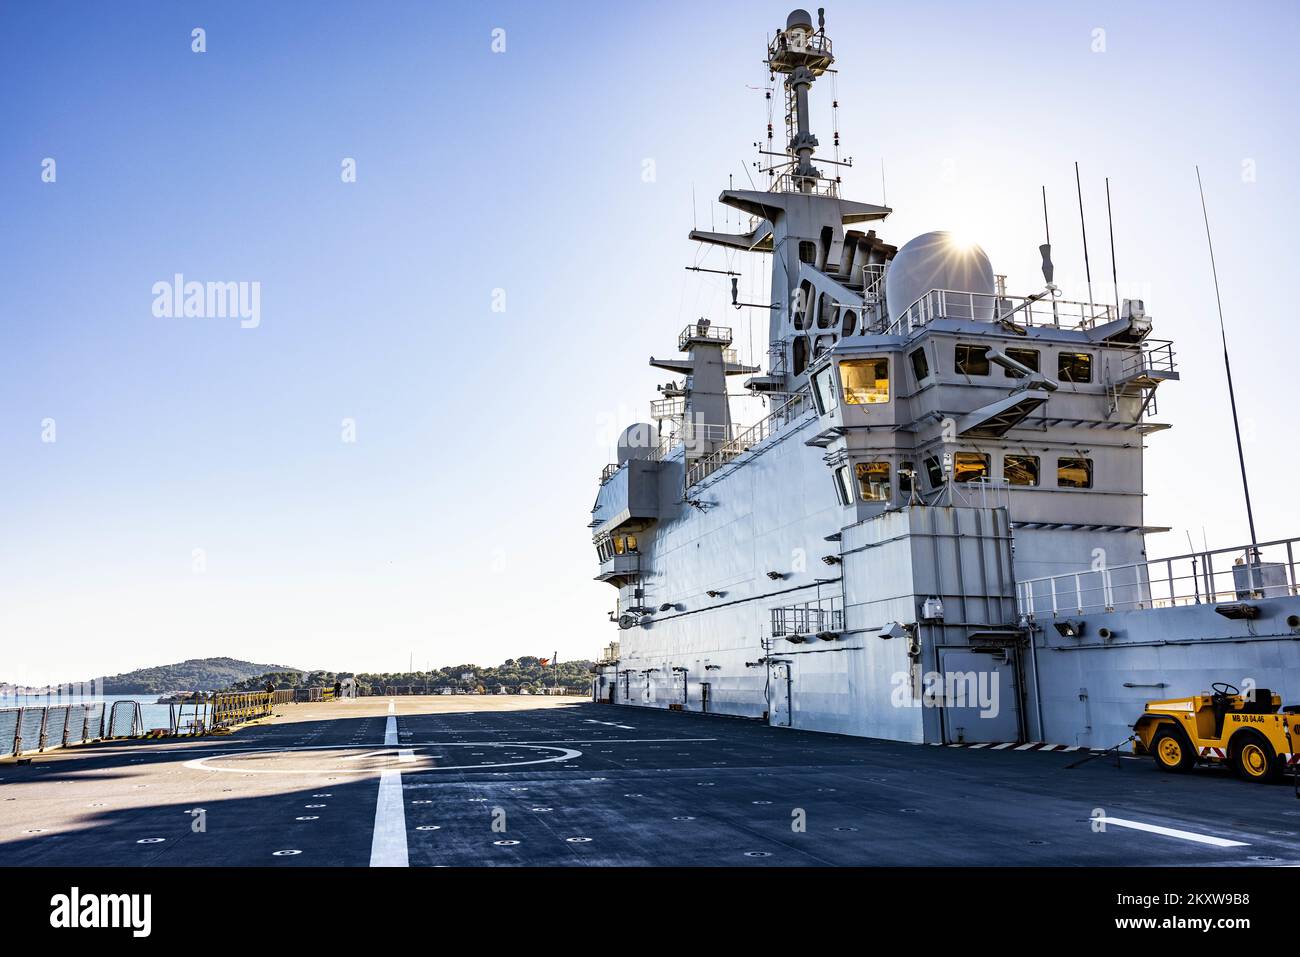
x=153, y=714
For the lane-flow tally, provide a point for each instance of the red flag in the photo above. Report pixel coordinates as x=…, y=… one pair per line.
x=543, y=661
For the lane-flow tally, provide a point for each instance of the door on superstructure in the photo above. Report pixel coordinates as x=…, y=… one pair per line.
x=680, y=687
x=979, y=695
x=704, y=696
x=779, y=694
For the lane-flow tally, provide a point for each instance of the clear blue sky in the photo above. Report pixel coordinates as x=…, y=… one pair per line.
x=454, y=527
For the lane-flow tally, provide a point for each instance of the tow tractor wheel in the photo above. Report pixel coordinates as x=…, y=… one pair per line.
x=1171, y=751
x=1253, y=758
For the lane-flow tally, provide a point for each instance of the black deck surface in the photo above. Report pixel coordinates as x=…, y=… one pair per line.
x=610, y=785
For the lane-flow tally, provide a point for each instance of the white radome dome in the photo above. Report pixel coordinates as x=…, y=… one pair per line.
x=940, y=260
x=637, y=441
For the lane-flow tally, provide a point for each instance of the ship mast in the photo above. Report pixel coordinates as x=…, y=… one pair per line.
x=800, y=219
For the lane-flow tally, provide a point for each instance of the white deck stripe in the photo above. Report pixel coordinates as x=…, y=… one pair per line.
x=392, y=706
x=406, y=755
x=976, y=747
x=999, y=747
x=1026, y=747
x=1174, y=832
x=388, y=844
x=589, y=742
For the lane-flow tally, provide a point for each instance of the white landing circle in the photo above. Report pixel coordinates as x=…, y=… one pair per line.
x=370, y=759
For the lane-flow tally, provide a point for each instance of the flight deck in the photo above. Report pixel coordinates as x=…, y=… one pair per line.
x=469, y=781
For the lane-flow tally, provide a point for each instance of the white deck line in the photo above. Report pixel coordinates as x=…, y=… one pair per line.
x=388, y=844
x=1173, y=832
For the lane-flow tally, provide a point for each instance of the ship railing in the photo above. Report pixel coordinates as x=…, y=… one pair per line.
x=985, y=492
x=608, y=471
x=807, y=619
x=667, y=408
x=789, y=181
x=227, y=708
x=34, y=729
x=783, y=42
x=1240, y=573
x=1154, y=356
x=732, y=449
x=666, y=444
x=1029, y=311
x=705, y=331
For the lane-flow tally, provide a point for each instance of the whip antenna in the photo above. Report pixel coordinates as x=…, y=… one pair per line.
x=1227, y=366
x=1110, y=224
x=1087, y=270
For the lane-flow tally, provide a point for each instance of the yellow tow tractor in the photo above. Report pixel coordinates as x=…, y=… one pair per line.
x=1254, y=733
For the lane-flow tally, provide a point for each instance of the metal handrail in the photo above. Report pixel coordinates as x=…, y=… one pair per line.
x=789, y=181
x=807, y=619
x=742, y=443
x=1154, y=355
x=1243, y=572
x=34, y=729
x=818, y=43
x=706, y=331
x=1023, y=310
x=667, y=408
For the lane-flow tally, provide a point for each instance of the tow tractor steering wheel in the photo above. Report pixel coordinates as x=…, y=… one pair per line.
x=1222, y=689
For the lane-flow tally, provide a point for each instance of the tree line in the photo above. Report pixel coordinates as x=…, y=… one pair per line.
x=513, y=674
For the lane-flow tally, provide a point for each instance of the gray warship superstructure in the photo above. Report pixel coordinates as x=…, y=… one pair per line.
x=938, y=534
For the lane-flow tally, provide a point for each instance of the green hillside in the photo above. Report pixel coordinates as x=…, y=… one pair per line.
x=196, y=674
x=525, y=672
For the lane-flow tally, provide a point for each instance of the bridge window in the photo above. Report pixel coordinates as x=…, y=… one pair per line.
x=905, y=478
x=1074, y=473
x=873, y=481
x=844, y=485
x=619, y=545
x=850, y=321
x=1074, y=366
x=824, y=390
x=972, y=360
x=808, y=252
x=866, y=381
x=1026, y=357
x=920, y=364
x=1020, y=469
x=969, y=466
